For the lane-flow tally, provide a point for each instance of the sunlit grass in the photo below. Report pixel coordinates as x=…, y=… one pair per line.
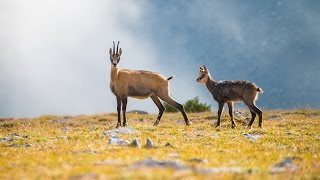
x=72, y=146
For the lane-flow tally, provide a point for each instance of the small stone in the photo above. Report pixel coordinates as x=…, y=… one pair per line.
x=252, y=137
x=218, y=170
x=135, y=143
x=285, y=165
x=116, y=140
x=149, y=143
x=150, y=162
x=198, y=160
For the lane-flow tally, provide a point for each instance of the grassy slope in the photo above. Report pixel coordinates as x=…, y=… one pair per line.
x=71, y=149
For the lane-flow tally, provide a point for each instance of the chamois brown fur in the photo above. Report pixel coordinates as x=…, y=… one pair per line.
x=231, y=91
x=140, y=84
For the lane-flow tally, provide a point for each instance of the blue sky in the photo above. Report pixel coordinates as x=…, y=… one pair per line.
x=54, y=54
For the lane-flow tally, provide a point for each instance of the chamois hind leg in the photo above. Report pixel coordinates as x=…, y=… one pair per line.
x=221, y=104
x=255, y=109
x=230, y=107
x=253, y=116
x=178, y=106
x=118, y=110
x=160, y=106
x=124, y=109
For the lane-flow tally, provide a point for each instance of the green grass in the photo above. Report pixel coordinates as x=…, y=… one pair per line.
x=72, y=148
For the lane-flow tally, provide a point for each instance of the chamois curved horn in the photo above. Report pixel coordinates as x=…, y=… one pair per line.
x=113, y=52
x=118, y=47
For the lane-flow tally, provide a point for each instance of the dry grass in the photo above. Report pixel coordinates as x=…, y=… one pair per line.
x=71, y=147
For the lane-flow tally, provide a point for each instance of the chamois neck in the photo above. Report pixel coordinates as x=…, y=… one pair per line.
x=211, y=84
x=114, y=72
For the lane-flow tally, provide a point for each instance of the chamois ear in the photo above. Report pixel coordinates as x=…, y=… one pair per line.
x=110, y=52
x=200, y=67
x=120, y=52
x=205, y=68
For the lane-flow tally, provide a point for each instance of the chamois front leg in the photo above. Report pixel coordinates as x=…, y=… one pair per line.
x=118, y=110
x=160, y=106
x=124, y=109
x=221, y=104
x=230, y=107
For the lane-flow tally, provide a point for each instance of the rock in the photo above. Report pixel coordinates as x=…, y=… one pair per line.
x=84, y=176
x=120, y=130
x=218, y=170
x=63, y=120
x=284, y=166
x=20, y=145
x=6, y=139
x=14, y=134
x=106, y=162
x=150, y=162
x=252, y=137
x=149, y=143
x=274, y=116
x=116, y=140
x=198, y=160
x=135, y=143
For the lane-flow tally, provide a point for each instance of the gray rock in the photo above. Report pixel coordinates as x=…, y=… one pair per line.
x=198, y=160
x=149, y=143
x=84, y=176
x=120, y=130
x=274, y=116
x=16, y=135
x=252, y=137
x=218, y=170
x=150, y=162
x=106, y=162
x=135, y=143
x=285, y=165
x=20, y=145
x=116, y=140
x=63, y=120
x=6, y=139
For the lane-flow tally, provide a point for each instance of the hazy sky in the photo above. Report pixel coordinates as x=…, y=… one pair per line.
x=54, y=53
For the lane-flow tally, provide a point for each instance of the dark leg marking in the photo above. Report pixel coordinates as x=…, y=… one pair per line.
x=230, y=107
x=160, y=106
x=221, y=104
x=118, y=110
x=124, y=108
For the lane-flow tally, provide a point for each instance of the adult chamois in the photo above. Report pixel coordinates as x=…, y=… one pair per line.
x=231, y=91
x=140, y=84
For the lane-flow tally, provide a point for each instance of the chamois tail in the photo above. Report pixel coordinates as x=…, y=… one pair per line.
x=169, y=78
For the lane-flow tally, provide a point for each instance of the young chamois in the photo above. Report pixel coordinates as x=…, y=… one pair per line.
x=230, y=91
x=126, y=83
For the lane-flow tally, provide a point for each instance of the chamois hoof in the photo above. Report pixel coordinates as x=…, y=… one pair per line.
x=125, y=124
x=233, y=126
x=118, y=125
x=188, y=123
x=260, y=126
x=156, y=123
x=249, y=126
